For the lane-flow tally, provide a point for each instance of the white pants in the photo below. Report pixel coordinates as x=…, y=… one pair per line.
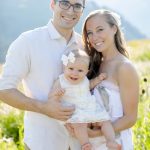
x=43, y=133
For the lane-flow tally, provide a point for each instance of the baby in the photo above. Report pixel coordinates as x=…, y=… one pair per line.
x=73, y=88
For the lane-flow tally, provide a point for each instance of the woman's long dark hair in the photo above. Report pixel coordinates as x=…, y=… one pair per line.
x=112, y=19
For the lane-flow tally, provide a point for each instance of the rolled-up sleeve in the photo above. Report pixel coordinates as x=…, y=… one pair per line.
x=17, y=64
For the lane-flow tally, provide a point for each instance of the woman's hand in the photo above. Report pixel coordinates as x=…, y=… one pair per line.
x=70, y=129
x=94, y=130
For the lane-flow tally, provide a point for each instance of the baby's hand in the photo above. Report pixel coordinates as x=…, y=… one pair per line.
x=101, y=77
x=59, y=92
x=94, y=82
x=56, y=94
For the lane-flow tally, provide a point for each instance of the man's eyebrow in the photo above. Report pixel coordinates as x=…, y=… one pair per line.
x=77, y=3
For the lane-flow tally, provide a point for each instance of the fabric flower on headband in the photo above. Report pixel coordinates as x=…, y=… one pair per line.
x=70, y=58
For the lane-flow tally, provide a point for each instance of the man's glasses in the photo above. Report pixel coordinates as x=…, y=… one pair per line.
x=66, y=5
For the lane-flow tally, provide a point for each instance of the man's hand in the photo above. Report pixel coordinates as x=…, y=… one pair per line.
x=53, y=106
x=54, y=109
x=70, y=129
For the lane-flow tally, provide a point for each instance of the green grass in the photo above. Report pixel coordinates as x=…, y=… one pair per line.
x=140, y=54
x=139, y=50
x=11, y=128
x=141, y=129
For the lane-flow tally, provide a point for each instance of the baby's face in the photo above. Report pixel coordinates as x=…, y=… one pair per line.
x=76, y=72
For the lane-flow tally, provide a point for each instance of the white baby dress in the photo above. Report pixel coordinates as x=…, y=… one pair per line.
x=87, y=109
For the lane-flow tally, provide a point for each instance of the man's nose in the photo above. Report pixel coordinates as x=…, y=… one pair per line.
x=71, y=9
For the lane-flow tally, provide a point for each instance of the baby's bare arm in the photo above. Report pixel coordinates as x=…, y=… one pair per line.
x=58, y=111
x=57, y=92
x=94, y=82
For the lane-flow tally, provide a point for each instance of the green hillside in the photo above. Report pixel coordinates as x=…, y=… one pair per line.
x=18, y=16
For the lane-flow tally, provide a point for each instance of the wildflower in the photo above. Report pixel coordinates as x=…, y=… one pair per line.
x=145, y=79
x=143, y=91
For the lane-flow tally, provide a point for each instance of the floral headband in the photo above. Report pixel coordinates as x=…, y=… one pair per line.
x=66, y=59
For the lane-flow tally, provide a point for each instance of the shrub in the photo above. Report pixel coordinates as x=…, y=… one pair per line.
x=141, y=129
x=11, y=130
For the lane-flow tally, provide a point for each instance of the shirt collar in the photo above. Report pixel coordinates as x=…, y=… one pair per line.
x=54, y=34
x=73, y=38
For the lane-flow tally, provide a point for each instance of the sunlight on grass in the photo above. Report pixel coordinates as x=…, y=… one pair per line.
x=140, y=54
x=139, y=50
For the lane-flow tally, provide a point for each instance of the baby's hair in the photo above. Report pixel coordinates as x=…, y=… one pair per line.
x=79, y=53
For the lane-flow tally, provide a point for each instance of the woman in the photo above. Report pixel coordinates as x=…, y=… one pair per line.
x=106, y=47
x=104, y=42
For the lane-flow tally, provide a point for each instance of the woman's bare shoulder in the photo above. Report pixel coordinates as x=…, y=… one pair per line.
x=127, y=70
x=126, y=65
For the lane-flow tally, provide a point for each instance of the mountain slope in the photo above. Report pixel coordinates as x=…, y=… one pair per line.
x=18, y=16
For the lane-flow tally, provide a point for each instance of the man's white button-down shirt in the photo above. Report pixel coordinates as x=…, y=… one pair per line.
x=34, y=58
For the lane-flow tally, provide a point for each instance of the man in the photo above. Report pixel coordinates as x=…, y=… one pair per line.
x=35, y=58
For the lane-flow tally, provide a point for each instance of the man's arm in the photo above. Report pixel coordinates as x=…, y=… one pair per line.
x=16, y=68
x=51, y=108
x=15, y=98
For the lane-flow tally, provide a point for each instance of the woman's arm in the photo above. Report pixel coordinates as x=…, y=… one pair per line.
x=128, y=82
x=129, y=90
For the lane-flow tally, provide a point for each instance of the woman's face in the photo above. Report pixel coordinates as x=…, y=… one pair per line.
x=100, y=33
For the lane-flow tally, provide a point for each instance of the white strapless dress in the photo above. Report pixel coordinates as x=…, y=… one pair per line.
x=114, y=107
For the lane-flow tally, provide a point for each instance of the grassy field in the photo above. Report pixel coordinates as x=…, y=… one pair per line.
x=11, y=120
x=140, y=54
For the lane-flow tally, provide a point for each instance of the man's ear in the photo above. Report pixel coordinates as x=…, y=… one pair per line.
x=52, y=3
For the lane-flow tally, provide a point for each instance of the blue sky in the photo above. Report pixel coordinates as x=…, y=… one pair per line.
x=135, y=11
